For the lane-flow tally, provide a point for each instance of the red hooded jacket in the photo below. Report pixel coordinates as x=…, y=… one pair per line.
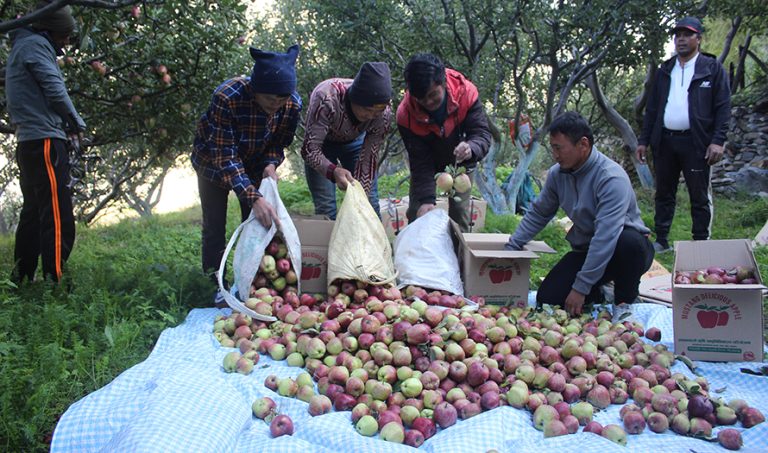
x=430, y=146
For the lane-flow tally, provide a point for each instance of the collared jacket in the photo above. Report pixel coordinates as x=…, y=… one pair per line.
x=329, y=119
x=709, y=104
x=37, y=98
x=235, y=139
x=429, y=146
x=599, y=199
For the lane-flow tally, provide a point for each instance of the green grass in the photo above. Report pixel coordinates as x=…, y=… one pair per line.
x=132, y=280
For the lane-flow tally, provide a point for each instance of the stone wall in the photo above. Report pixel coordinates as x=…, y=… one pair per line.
x=745, y=164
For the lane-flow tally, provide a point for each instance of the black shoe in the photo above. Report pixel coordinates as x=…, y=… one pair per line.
x=661, y=247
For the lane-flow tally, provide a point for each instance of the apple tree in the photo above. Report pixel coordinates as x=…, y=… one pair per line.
x=140, y=74
x=527, y=57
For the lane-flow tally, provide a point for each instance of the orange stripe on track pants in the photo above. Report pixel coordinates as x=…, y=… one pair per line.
x=55, y=204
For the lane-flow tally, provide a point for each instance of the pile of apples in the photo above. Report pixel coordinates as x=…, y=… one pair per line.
x=717, y=276
x=276, y=270
x=687, y=408
x=439, y=298
x=406, y=369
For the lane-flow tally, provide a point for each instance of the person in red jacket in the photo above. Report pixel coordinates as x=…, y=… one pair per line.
x=441, y=121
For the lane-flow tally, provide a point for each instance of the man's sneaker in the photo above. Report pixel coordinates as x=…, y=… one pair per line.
x=218, y=300
x=622, y=313
x=658, y=247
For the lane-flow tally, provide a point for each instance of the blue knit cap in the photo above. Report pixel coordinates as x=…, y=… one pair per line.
x=274, y=73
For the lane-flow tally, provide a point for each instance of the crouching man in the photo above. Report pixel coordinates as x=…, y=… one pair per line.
x=608, y=239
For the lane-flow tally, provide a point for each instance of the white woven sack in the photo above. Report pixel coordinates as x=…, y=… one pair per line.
x=424, y=254
x=359, y=248
x=252, y=239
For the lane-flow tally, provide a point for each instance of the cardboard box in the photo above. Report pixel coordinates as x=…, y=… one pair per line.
x=478, y=207
x=717, y=322
x=500, y=276
x=657, y=289
x=314, y=234
x=393, y=215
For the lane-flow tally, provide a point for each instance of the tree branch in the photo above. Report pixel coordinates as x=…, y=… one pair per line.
x=622, y=127
x=735, y=24
x=38, y=14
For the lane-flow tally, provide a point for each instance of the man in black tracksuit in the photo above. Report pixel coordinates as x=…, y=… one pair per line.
x=685, y=124
x=44, y=120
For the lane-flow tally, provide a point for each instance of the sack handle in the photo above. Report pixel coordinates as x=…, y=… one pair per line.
x=231, y=300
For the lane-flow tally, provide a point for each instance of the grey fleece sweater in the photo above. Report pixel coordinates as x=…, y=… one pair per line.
x=599, y=199
x=37, y=98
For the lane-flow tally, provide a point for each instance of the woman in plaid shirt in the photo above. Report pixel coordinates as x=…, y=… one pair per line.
x=241, y=139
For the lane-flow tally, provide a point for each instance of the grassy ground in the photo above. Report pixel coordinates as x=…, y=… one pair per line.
x=131, y=280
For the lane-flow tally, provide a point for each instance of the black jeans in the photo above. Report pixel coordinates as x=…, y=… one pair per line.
x=46, y=224
x=631, y=259
x=673, y=156
x=213, y=200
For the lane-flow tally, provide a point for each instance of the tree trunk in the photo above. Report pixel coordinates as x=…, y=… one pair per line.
x=642, y=98
x=735, y=24
x=518, y=175
x=623, y=128
x=738, y=78
x=485, y=175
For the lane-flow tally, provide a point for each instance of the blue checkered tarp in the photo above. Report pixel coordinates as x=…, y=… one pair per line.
x=180, y=399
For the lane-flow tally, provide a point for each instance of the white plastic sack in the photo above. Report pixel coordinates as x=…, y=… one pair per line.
x=253, y=240
x=424, y=254
x=359, y=248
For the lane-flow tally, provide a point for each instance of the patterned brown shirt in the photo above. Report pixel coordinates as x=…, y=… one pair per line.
x=328, y=119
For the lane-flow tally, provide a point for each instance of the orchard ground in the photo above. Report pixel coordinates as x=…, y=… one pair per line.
x=132, y=279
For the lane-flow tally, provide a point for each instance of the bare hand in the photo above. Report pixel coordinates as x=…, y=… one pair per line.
x=425, y=208
x=574, y=303
x=343, y=178
x=640, y=153
x=462, y=152
x=265, y=213
x=714, y=154
x=75, y=139
x=270, y=172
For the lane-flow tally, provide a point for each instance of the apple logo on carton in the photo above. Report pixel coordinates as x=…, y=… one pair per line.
x=711, y=310
x=499, y=271
x=312, y=265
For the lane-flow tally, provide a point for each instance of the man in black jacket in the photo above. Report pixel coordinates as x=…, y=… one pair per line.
x=685, y=124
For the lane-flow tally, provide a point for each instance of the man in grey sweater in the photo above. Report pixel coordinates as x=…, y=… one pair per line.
x=44, y=118
x=608, y=239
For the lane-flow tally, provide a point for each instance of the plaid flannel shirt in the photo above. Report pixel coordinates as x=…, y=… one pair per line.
x=235, y=139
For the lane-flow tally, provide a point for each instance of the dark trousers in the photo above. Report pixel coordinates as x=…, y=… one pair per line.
x=459, y=207
x=213, y=200
x=674, y=155
x=46, y=224
x=631, y=259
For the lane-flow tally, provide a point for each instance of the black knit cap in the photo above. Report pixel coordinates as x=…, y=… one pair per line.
x=689, y=23
x=274, y=73
x=372, y=85
x=59, y=21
